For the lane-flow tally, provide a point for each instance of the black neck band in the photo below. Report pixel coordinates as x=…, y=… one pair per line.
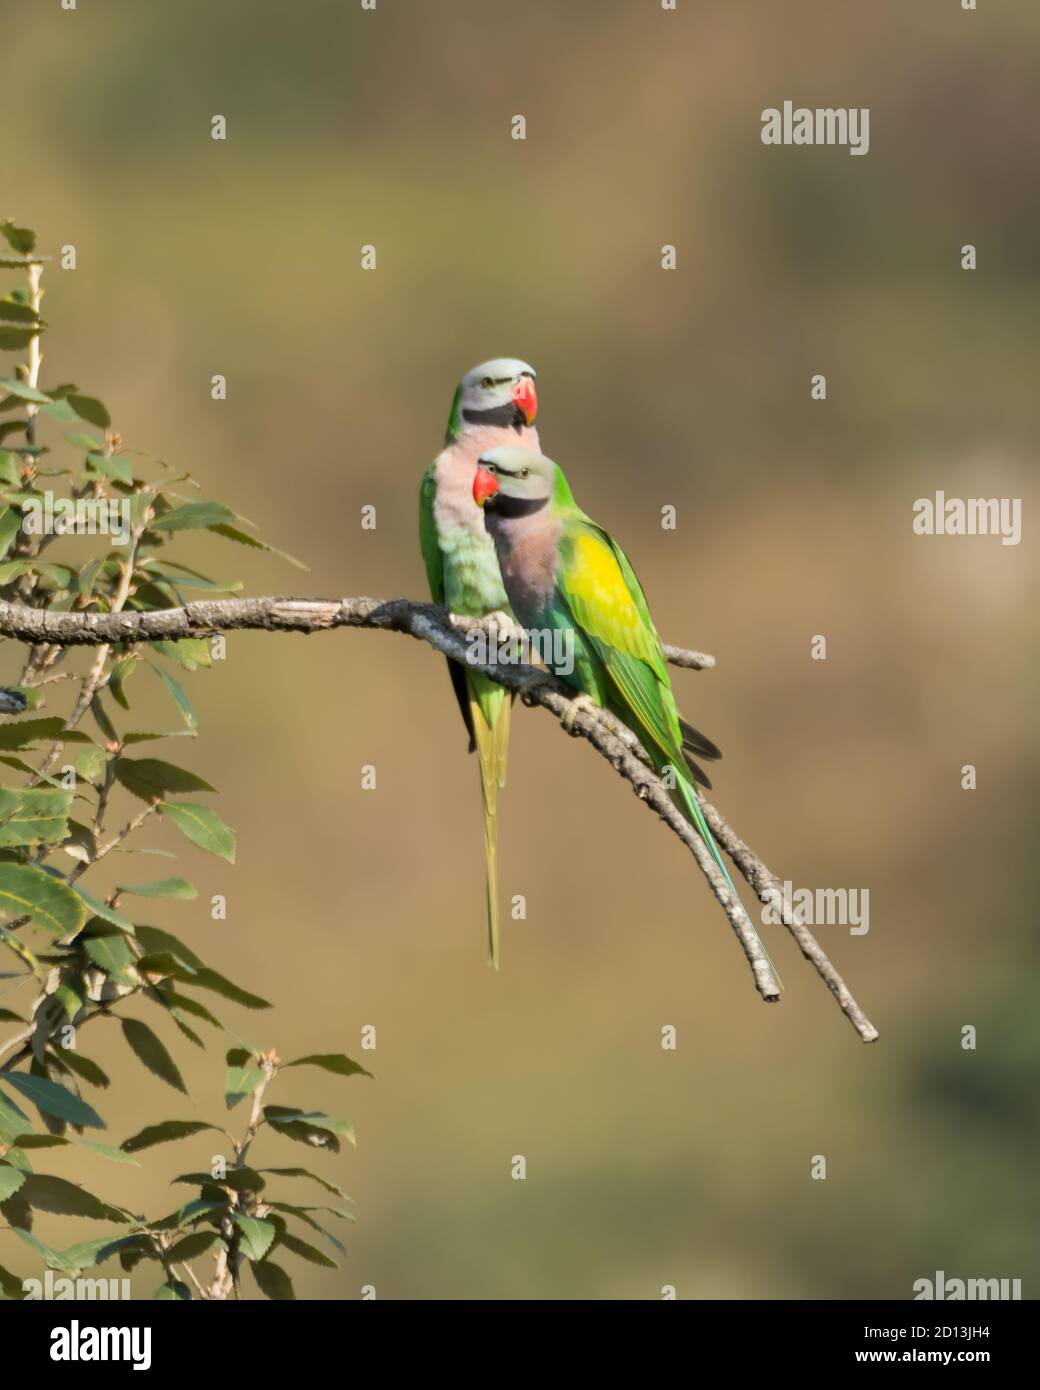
x=503, y=416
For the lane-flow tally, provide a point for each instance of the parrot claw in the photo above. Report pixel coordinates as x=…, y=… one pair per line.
x=579, y=703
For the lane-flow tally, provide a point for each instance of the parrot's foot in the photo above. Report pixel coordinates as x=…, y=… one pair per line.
x=579, y=703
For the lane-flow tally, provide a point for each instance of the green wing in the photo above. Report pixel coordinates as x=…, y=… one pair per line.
x=602, y=592
x=428, y=542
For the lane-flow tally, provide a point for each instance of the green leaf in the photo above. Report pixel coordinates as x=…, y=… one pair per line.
x=318, y=1130
x=54, y=1100
x=11, y=1180
x=106, y=913
x=11, y=339
x=241, y=1082
x=33, y=816
x=163, y=1133
x=314, y=1177
x=331, y=1061
x=107, y=1151
x=305, y=1250
x=24, y=392
x=21, y=239
x=189, y=652
x=84, y=1068
x=202, y=826
x=47, y=1193
x=154, y=940
x=209, y=979
x=150, y=778
x=238, y=1179
x=9, y=473
x=240, y=537
x=162, y=888
x=13, y=311
x=257, y=1235
x=29, y=731
x=88, y=443
x=109, y=949
x=151, y=1050
x=193, y=516
x=273, y=1280
x=303, y=1214
x=121, y=673
x=27, y=890
x=112, y=466
x=190, y=1247
x=10, y=1285
x=173, y=1289
x=180, y=698
x=90, y=409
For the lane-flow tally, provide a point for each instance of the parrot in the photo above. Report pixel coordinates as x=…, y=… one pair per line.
x=494, y=404
x=566, y=575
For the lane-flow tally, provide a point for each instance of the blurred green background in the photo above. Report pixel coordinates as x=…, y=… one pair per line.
x=348, y=908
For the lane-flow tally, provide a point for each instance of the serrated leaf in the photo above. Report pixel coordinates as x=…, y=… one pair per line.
x=20, y=239
x=202, y=826
x=29, y=731
x=109, y=950
x=84, y=1068
x=33, y=816
x=151, y=778
x=107, y=1151
x=112, y=466
x=46, y=1193
x=180, y=698
x=11, y=1180
x=23, y=392
x=163, y=1134
x=210, y=979
x=314, y=1177
x=104, y=912
x=151, y=1051
x=50, y=902
x=331, y=1061
x=192, y=516
x=241, y=1082
x=273, y=1281
x=240, y=537
x=162, y=888
x=154, y=940
x=54, y=1100
x=308, y=1252
x=190, y=1247
x=257, y=1235
x=90, y=409
x=173, y=1289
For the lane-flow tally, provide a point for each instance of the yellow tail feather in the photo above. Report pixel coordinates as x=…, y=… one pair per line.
x=492, y=745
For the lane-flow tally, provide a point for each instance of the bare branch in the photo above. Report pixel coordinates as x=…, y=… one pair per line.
x=432, y=624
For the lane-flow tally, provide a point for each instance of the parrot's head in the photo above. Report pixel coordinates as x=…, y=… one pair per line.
x=514, y=482
x=500, y=392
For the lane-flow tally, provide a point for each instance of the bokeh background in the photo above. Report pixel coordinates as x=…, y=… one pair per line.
x=691, y=387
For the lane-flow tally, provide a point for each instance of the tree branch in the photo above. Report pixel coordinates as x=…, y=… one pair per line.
x=448, y=635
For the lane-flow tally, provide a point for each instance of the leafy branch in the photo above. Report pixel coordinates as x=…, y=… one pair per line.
x=77, y=953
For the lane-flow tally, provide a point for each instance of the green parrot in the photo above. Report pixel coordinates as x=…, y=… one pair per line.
x=494, y=404
x=564, y=574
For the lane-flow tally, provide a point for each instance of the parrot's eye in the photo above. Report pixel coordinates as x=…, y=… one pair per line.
x=523, y=473
x=487, y=383
x=489, y=468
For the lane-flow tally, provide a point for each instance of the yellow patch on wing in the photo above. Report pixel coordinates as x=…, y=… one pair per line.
x=600, y=600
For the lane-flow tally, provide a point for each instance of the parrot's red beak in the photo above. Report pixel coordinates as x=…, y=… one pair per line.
x=485, y=485
x=525, y=398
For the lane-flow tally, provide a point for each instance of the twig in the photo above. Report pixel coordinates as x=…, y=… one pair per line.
x=432, y=624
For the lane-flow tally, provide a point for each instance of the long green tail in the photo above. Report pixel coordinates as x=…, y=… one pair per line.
x=695, y=816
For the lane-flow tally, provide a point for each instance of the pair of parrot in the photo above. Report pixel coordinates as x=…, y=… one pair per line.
x=500, y=531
